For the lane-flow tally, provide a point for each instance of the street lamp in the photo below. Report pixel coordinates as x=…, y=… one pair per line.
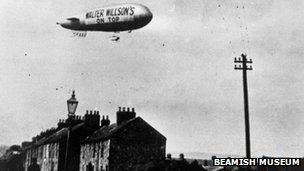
x=72, y=104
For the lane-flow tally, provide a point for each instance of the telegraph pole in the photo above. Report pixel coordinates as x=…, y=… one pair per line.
x=243, y=61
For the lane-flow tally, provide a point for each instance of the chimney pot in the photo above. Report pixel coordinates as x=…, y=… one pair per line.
x=103, y=117
x=123, y=109
x=128, y=109
x=97, y=112
x=91, y=112
x=94, y=112
x=107, y=117
x=119, y=108
x=87, y=112
x=133, y=109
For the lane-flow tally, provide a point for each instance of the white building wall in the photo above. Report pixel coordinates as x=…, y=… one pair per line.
x=95, y=153
x=47, y=157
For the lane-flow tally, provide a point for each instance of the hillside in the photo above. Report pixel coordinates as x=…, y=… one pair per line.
x=204, y=156
x=3, y=148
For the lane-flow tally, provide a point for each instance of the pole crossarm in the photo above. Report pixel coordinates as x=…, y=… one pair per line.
x=244, y=63
x=241, y=68
x=239, y=60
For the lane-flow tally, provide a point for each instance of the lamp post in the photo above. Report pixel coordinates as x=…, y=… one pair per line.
x=72, y=104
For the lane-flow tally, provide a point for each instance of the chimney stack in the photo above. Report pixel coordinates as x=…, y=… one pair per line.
x=105, y=121
x=92, y=119
x=122, y=116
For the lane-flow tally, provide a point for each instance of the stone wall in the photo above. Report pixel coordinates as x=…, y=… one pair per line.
x=137, y=143
x=47, y=156
x=51, y=157
x=126, y=155
x=95, y=153
x=29, y=154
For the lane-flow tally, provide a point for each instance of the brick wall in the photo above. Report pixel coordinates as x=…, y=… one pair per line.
x=95, y=153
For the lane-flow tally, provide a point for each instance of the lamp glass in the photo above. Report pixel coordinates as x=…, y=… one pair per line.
x=72, y=104
x=72, y=107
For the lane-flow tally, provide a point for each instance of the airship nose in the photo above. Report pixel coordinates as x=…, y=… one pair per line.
x=149, y=14
x=145, y=16
x=65, y=23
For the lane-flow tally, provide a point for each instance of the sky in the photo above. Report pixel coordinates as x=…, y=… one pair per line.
x=177, y=72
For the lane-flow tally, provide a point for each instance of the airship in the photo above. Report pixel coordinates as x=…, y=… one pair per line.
x=111, y=18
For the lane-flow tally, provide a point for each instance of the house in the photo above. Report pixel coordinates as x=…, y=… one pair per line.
x=61, y=149
x=58, y=149
x=124, y=144
x=88, y=143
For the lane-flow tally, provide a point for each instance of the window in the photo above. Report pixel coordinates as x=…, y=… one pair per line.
x=94, y=150
x=90, y=167
x=101, y=149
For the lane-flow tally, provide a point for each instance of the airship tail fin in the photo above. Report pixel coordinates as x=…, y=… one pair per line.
x=79, y=33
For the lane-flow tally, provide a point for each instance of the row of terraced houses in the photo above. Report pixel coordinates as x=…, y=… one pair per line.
x=92, y=143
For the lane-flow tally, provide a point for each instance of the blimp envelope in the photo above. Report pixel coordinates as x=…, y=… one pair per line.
x=115, y=18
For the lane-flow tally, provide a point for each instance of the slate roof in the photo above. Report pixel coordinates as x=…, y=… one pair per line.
x=106, y=132
x=62, y=133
